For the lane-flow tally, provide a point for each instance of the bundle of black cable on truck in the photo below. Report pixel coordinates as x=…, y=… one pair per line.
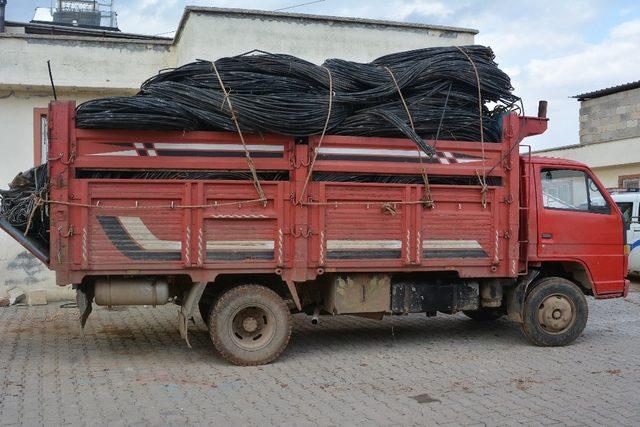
x=432, y=93
x=419, y=94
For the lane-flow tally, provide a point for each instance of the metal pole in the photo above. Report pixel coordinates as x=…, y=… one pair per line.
x=3, y=3
x=53, y=86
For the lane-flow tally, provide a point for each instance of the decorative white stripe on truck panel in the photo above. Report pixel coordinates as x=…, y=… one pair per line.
x=117, y=153
x=217, y=147
x=135, y=241
x=240, y=245
x=434, y=249
x=336, y=245
x=451, y=244
x=139, y=232
x=363, y=249
x=370, y=152
x=382, y=154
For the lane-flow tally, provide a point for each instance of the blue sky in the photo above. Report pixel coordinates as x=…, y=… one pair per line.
x=553, y=49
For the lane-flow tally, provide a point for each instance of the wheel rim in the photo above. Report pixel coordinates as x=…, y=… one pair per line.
x=252, y=327
x=556, y=314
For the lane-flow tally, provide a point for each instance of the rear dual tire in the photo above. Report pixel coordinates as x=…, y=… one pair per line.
x=250, y=325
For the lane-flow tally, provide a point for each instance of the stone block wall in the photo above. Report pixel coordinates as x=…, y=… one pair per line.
x=611, y=117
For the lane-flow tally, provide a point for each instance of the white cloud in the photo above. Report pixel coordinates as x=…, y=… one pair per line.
x=404, y=10
x=627, y=29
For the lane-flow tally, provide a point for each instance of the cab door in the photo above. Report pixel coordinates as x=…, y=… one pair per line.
x=578, y=221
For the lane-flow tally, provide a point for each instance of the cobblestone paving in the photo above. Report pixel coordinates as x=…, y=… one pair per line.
x=131, y=368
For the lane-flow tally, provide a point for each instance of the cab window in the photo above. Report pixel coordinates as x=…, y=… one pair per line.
x=571, y=190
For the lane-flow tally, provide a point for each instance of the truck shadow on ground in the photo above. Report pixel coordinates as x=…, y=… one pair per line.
x=349, y=335
x=154, y=331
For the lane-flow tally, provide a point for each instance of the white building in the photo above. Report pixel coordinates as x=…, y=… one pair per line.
x=92, y=62
x=609, y=135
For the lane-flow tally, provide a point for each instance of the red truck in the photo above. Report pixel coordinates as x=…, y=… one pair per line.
x=335, y=225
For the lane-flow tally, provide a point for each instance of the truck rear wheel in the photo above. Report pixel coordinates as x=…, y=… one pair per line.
x=484, y=314
x=250, y=325
x=554, y=313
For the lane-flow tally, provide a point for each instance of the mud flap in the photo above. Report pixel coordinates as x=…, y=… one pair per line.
x=516, y=294
x=84, y=299
x=188, y=308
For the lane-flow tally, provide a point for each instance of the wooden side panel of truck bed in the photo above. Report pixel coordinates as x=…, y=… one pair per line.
x=202, y=227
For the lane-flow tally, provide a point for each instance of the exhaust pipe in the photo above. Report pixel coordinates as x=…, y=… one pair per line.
x=316, y=315
x=542, y=109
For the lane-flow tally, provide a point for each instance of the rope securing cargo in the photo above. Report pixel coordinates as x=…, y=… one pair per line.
x=252, y=166
x=317, y=148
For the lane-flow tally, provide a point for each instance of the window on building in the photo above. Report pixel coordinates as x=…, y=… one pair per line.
x=573, y=190
x=630, y=182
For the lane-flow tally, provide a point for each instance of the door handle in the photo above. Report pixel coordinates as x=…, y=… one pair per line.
x=546, y=236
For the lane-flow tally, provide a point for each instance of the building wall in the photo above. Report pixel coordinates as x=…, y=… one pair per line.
x=610, y=175
x=611, y=117
x=608, y=160
x=78, y=63
x=207, y=36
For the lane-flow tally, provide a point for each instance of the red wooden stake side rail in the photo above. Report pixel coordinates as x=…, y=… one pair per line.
x=203, y=228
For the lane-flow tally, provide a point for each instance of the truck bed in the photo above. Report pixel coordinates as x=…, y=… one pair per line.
x=347, y=220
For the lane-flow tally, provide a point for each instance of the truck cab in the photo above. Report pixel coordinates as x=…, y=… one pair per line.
x=629, y=204
x=576, y=226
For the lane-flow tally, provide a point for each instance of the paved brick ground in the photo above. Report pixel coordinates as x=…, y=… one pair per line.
x=130, y=368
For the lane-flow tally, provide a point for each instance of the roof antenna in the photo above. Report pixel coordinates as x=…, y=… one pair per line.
x=53, y=86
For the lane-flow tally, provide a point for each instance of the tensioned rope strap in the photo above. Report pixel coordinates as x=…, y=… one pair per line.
x=428, y=200
x=217, y=205
x=317, y=148
x=149, y=207
x=404, y=103
x=483, y=179
x=252, y=167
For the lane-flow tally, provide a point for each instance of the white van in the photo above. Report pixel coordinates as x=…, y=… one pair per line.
x=629, y=204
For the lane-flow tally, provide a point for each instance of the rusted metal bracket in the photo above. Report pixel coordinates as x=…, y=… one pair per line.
x=294, y=293
x=293, y=161
x=188, y=308
x=301, y=231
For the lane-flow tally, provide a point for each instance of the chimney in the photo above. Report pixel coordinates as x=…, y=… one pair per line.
x=3, y=3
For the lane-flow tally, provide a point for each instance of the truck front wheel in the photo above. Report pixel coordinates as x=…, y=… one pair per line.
x=555, y=312
x=250, y=325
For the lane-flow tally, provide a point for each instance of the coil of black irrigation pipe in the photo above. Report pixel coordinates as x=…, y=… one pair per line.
x=287, y=95
x=22, y=204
